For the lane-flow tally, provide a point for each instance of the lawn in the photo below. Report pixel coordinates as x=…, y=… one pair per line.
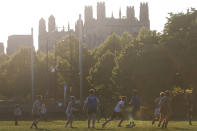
x=82, y=126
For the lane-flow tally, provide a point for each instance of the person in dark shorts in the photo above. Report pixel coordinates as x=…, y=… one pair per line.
x=36, y=111
x=91, y=104
x=189, y=102
x=118, y=112
x=135, y=102
x=17, y=113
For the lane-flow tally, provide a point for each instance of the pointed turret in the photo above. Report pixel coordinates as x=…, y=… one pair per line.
x=42, y=26
x=51, y=24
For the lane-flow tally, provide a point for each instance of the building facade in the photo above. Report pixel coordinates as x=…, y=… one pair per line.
x=15, y=42
x=95, y=31
x=1, y=48
x=47, y=39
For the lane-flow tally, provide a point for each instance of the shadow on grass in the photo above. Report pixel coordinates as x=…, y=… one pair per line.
x=177, y=128
x=43, y=129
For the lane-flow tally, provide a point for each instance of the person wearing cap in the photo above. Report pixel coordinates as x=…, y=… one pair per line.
x=91, y=104
x=69, y=111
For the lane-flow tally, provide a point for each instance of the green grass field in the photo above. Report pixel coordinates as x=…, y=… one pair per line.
x=82, y=126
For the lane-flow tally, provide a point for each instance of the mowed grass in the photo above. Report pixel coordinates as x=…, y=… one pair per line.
x=58, y=125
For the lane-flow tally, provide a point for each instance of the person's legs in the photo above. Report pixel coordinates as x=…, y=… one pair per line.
x=71, y=121
x=160, y=119
x=190, y=117
x=68, y=121
x=107, y=121
x=93, y=119
x=36, y=120
x=89, y=119
x=16, y=120
x=131, y=117
x=121, y=119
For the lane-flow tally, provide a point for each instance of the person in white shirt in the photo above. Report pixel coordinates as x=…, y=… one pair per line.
x=117, y=112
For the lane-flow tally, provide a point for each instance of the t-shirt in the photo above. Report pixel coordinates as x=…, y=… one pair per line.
x=135, y=101
x=92, y=102
x=17, y=111
x=157, y=101
x=69, y=108
x=164, y=101
x=43, y=110
x=118, y=108
x=36, y=107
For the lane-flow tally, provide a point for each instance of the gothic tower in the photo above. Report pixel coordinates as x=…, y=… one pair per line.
x=88, y=14
x=130, y=12
x=144, y=15
x=42, y=26
x=42, y=35
x=101, y=11
x=51, y=24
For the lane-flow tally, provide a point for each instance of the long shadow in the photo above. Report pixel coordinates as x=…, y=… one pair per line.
x=43, y=129
x=177, y=128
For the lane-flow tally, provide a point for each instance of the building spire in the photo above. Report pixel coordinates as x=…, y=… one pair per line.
x=68, y=26
x=112, y=15
x=120, y=13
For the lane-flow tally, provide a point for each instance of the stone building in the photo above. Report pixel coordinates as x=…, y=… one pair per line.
x=1, y=48
x=15, y=42
x=95, y=31
x=47, y=39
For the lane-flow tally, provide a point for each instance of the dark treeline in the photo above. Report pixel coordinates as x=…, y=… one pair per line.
x=151, y=62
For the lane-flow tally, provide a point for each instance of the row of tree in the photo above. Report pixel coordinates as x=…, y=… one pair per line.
x=151, y=62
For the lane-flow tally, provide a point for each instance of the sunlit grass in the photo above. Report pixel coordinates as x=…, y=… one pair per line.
x=82, y=126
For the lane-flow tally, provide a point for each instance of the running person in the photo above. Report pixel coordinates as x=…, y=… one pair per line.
x=157, y=109
x=135, y=102
x=91, y=104
x=117, y=112
x=69, y=112
x=36, y=111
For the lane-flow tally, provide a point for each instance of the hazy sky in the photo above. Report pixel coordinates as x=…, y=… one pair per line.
x=18, y=16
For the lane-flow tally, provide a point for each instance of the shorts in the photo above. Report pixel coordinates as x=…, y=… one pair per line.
x=157, y=111
x=117, y=115
x=68, y=114
x=92, y=111
x=134, y=110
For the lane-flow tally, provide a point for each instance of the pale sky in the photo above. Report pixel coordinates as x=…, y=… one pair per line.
x=18, y=16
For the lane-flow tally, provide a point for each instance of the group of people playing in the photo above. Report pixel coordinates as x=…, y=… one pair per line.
x=90, y=106
x=162, y=111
